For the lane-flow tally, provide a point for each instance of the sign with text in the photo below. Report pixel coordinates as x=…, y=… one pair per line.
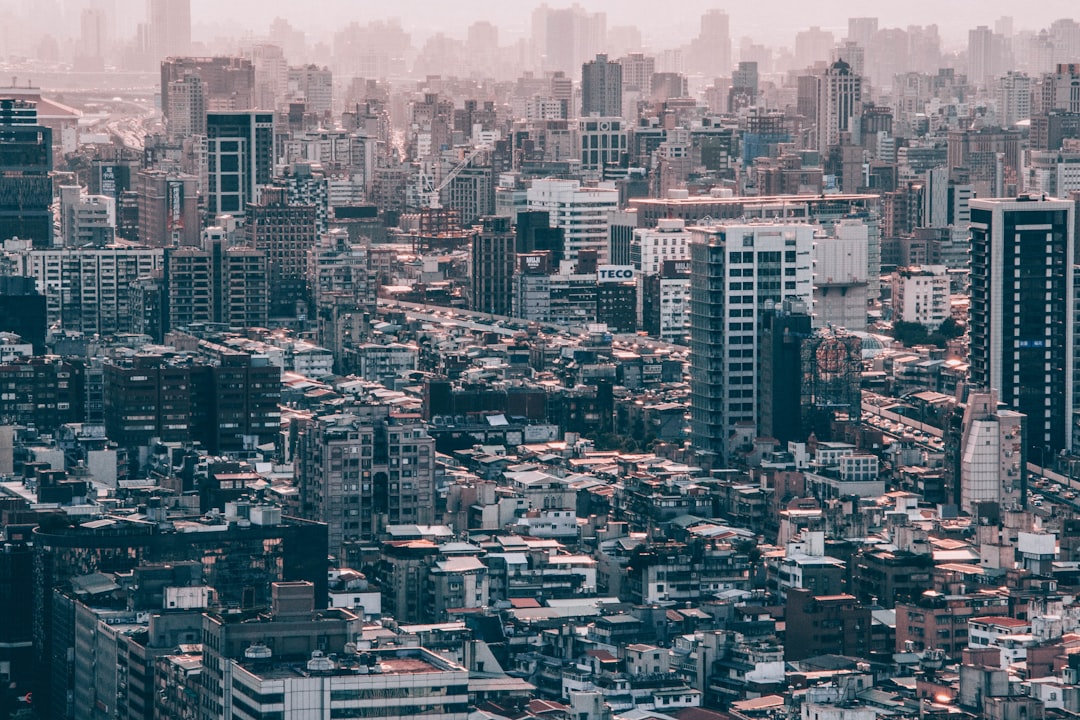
x=614, y=273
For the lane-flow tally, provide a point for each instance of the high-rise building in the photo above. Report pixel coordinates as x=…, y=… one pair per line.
x=993, y=454
x=228, y=83
x=285, y=233
x=240, y=157
x=812, y=46
x=710, y=51
x=169, y=27
x=1013, y=98
x=601, y=87
x=363, y=468
x=86, y=219
x=215, y=284
x=581, y=213
x=22, y=310
x=90, y=290
x=603, y=142
x=186, y=111
x=312, y=85
x=25, y=164
x=839, y=103
x=227, y=401
x=637, y=72
x=168, y=208
x=492, y=267
x=1022, y=313
x=736, y=273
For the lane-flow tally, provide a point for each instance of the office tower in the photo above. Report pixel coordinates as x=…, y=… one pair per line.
x=744, y=86
x=535, y=233
x=862, y=30
x=621, y=225
x=601, y=88
x=812, y=46
x=637, y=72
x=980, y=54
x=564, y=37
x=650, y=248
x=25, y=164
x=93, y=39
x=1013, y=98
x=168, y=209
x=991, y=157
x=736, y=273
x=988, y=56
x=285, y=233
x=169, y=26
x=240, y=158
x=22, y=310
x=1022, y=313
x=186, y=111
x=271, y=75
x=710, y=51
x=313, y=86
x=603, y=142
x=852, y=53
x=86, y=219
x=839, y=104
x=581, y=213
x=362, y=468
x=993, y=453
x=229, y=82
x=492, y=267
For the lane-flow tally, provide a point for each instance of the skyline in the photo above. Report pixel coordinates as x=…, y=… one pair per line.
x=211, y=21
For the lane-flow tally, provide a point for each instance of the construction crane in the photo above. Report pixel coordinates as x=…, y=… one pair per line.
x=433, y=194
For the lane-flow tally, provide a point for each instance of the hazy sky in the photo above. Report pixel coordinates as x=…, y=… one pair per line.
x=779, y=18
x=772, y=21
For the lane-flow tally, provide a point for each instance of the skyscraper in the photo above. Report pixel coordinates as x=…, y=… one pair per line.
x=601, y=88
x=169, y=27
x=25, y=163
x=839, y=99
x=285, y=233
x=737, y=272
x=493, y=266
x=1022, y=312
x=240, y=157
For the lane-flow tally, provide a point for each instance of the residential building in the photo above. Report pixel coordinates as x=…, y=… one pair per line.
x=736, y=273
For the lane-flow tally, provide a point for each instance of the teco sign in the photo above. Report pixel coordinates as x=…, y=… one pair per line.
x=614, y=273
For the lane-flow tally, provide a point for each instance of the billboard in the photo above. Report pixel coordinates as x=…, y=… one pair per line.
x=174, y=205
x=614, y=273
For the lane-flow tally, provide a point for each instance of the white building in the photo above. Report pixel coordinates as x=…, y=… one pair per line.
x=91, y=289
x=1055, y=173
x=1013, y=98
x=737, y=272
x=650, y=247
x=389, y=684
x=86, y=219
x=992, y=452
x=921, y=295
x=582, y=213
x=841, y=276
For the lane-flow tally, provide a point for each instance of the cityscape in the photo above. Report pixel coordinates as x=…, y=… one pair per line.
x=539, y=362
